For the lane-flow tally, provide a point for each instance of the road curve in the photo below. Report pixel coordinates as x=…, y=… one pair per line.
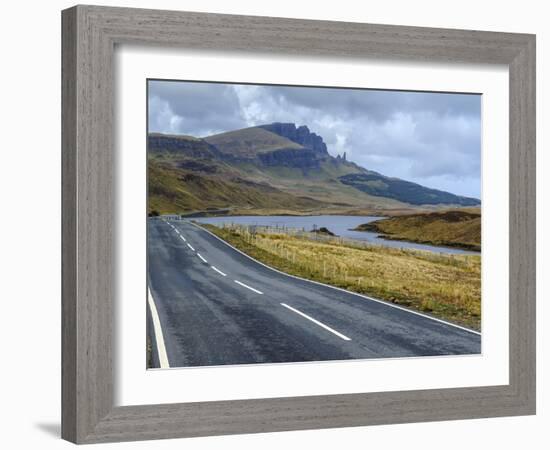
x=213, y=305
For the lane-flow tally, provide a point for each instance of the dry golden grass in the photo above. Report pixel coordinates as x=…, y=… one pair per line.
x=446, y=286
x=454, y=228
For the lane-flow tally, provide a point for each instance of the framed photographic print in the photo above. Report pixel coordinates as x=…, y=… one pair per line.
x=256, y=209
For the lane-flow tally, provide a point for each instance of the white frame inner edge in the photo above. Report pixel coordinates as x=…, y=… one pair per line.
x=135, y=385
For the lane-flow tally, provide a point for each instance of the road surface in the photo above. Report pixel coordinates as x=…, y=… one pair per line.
x=208, y=304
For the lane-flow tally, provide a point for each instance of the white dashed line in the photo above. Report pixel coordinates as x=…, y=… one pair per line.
x=189, y=245
x=364, y=297
x=200, y=256
x=248, y=287
x=219, y=271
x=340, y=335
x=184, y=240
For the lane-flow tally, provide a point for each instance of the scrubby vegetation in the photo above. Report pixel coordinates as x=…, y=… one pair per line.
x=452, y=228
x=446, y=286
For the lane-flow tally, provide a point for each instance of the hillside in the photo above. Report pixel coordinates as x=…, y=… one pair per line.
x=250, y=142
x=182, y=146
x=291, y=160
x=177, y=190
x=451, y=228
x=379, y=185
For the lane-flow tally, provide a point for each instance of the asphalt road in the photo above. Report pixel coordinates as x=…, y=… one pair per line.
x=211, y=305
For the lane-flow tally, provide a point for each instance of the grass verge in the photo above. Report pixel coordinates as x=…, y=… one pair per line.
x=445, y=286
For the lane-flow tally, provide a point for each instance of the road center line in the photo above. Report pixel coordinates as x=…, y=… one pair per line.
x=248, y=287
x=200, y=256
x=184, y=240
x=189, y=245
x=159, y=337
x=356, y=294
x=219, y=271
x=322, y=325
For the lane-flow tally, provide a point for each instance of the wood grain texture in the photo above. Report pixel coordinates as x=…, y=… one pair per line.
x=89, y=36
x=68, y=226
x=522, y=187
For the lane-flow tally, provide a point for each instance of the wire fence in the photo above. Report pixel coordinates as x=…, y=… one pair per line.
x=249, y=232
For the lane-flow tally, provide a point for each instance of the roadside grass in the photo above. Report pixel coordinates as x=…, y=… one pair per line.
x=443, y=285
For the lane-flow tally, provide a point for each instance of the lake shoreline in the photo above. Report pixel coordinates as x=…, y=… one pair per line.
x=355, y=212
x=451, y=228
x=472, y=248
x=391, y=274
x=340, y=225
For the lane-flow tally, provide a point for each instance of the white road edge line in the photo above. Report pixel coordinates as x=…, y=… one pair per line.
x=321, y=324
x=159, y=337
x=365, y=297
x=189, y=245
x=200, y=256
x=219, y=271
x=248, y=287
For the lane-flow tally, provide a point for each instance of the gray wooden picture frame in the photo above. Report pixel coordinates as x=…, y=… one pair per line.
x=90, y=34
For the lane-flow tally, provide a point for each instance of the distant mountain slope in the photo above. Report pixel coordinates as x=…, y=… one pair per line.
x=249, y=142
x=291, y=160
x=379, y=185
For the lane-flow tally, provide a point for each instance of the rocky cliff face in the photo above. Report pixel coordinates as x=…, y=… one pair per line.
x=302, y=158
x=309, y=157
x=249, y=152
x=190, y=147
x=301, y=135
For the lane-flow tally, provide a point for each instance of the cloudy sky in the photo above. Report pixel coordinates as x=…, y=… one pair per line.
x=429, y=138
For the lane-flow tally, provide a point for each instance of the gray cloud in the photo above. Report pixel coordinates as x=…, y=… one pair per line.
x=431, y=138
x=198, y=109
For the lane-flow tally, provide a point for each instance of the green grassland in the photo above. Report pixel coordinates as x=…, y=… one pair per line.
x=179, y=184
x=451, y=228
x=321, y=184
x=377, y=184
x=446, y=286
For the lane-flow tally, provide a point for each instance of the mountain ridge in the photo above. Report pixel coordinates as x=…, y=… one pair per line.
x=292, y=160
